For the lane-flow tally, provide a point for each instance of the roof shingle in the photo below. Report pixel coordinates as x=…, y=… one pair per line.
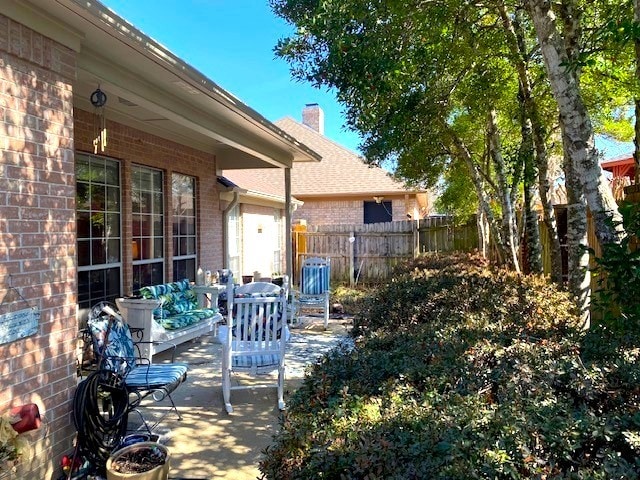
x=340, y=172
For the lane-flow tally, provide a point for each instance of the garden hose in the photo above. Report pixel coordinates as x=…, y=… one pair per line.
x=99, y=431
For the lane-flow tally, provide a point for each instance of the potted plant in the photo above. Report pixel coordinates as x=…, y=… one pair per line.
x=139, y=461
x=11, y=445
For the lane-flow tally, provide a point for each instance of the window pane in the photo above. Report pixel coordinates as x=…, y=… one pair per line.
x=83, y=169
x=158, y=204
x=112, y=174
x=157, y=225
x=191, y=246
x=97, y=224
x=98, y=252
x=145, y=225
x=113, y=199
x=135, y=201
x=158, y=248
x=83, y=224
x=82, y=196
x=146, y=202
x=113, y=225
x=113, y=251
x=157, y=273
x=98, y=194
x=112, y=286
x=97, y=170
x=146, y=248
x=84, y=253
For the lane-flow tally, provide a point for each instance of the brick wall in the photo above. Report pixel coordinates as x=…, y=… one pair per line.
x=132, y=146
x=330, y=212
x=37, y=236
x=345, y=212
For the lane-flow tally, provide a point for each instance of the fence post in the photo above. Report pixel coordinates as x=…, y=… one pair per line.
x=352, y=260
x=415, y=228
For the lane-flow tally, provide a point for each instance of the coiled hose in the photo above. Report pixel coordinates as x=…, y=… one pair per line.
x=100, y=410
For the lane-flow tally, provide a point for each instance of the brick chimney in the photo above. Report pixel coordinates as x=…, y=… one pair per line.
x=313, y=116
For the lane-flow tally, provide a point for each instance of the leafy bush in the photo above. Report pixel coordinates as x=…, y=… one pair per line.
x=464, y=372
x=619, y=274
x=351, y=298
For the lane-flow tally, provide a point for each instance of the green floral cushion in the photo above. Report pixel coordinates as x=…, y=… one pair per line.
x=179, y=304
x=176, y=297
x=185, y=319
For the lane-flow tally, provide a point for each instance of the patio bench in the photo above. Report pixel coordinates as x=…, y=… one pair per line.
x=171, y=313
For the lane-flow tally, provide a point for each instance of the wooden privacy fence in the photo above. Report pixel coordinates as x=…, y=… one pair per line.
x=368, y=253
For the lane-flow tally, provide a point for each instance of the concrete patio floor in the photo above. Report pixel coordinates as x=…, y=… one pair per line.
x=209, y=443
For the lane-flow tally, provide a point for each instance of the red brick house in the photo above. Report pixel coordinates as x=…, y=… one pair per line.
x=98, y=200
x=341, y=188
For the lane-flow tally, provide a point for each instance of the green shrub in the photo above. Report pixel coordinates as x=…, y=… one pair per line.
x=351, y=298
x=618, y=273
x=462, y=372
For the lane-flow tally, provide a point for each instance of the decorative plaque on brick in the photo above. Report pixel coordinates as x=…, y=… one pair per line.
x=20, y=324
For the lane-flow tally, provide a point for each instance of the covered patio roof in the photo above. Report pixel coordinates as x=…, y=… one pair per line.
x=151, y=89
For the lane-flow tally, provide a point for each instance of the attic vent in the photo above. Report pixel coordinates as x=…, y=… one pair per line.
x=126, y=102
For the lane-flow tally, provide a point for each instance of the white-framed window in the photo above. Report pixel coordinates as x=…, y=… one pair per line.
x=98, y=227
x=233, y=241
x=147, y=226
x=183, y=198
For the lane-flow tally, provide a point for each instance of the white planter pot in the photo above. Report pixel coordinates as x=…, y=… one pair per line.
x=161, y=472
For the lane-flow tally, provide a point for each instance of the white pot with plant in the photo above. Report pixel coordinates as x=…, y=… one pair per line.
x=140, y=461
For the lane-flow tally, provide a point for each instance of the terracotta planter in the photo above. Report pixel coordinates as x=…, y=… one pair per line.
x=161, y=472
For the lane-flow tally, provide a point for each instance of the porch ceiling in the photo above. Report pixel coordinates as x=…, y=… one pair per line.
x=151, y=89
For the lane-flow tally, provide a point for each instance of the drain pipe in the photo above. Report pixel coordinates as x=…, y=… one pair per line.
x=225, y=227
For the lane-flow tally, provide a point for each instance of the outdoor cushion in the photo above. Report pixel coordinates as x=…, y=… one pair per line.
x=119, y=355
x=179, y=305
x=257, y=361
x=176, y=298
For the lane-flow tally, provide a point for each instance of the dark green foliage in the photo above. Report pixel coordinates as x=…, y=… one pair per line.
x=619, y=270
x=461, y=372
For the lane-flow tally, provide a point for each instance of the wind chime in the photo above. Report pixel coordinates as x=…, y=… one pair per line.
x=99, y=100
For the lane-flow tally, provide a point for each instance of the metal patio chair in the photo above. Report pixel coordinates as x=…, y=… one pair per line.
x=118, y=354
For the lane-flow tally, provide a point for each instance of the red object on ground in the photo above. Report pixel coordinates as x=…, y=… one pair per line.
x=29, y=417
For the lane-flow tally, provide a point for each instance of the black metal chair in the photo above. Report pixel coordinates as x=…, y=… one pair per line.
x=117, y=353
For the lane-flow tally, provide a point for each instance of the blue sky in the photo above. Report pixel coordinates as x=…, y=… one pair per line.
x=231, y=42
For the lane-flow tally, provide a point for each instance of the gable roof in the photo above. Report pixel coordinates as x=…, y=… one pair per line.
x=341, y=172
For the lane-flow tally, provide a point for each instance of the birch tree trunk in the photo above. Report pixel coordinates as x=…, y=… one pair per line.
x=578, y=258
x=578, y=132
x=509, y=224
x=517, y=45
x=483, y=233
